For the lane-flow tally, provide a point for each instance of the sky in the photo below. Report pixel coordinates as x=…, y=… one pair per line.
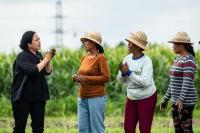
x=114, y=19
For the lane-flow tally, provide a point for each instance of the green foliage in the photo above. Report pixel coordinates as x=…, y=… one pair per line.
x=162, y=59
x=65, y=64
x=6, y=62
x=5, y=107
x=61, y=107
x=63, y=91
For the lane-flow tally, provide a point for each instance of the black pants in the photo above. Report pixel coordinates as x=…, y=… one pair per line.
x=21, y=110
x=182, y=120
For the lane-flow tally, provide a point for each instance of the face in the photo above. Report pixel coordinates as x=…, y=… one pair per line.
x=36, y=44
x=132, y=47
x=178, y=48
x=89, y=45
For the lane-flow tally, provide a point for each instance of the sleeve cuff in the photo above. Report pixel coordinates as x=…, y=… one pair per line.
x=128, y=73
x=166, y=98
x=46, y=73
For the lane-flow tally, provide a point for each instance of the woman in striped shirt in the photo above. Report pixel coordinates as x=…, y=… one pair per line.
x=181, y=90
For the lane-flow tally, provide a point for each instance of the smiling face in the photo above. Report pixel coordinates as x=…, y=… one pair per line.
x=35, y=45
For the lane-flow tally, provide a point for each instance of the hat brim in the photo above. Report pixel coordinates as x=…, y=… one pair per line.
x=136, y=43
x=180, y=42
x=84, y=39
x=100, y=48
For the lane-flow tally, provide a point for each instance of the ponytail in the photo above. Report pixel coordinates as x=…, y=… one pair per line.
x=189, y=49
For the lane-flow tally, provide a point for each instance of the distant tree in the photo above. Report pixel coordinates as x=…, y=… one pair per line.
x=121, y=44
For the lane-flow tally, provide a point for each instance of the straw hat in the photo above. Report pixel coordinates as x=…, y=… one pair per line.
x=181, y=37
x=138, y=38
x=95, y=37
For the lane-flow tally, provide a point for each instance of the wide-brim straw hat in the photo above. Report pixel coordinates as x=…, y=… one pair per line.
x=181, y=37
x=138, y=38
x=95, y=37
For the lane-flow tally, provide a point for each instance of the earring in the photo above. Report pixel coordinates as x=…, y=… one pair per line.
x=29, y=45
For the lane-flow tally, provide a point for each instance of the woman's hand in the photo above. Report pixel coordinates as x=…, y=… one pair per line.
x=179, y=103
x=47, y=56
x=74, y=78
x=78, y=78
x=53, y=52
x=163, y=104
x=123, y=68
x=81, y=78
x=50, y=54
x=43, y=63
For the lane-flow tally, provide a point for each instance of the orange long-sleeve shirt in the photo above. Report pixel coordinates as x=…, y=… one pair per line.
x=96, y=71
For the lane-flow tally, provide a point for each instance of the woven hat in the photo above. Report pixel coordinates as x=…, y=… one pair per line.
x=181, y=37
x=95, y=37
x=138, y=38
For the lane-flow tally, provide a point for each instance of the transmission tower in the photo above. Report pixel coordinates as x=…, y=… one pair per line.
x=59, y=24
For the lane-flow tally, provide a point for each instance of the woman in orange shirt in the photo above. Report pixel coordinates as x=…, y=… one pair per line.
x=92, y=75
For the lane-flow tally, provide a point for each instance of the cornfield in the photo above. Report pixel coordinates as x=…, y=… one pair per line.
x=66, y=62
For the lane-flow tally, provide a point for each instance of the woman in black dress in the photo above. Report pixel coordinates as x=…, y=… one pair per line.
x=29, y=88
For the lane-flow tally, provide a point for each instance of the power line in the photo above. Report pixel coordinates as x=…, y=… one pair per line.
x=59, y=24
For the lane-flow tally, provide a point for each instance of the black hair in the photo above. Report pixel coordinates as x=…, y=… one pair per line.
x=189, y=49
x=142, y=49
x=26, y=38
x=100, y=48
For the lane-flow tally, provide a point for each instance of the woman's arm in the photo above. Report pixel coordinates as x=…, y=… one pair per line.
x=45, y=62
x=120, y=77
x=48, y=68
x=189, y=68
x=26, y=66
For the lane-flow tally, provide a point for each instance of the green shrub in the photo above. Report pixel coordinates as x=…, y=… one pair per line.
x=63, y=91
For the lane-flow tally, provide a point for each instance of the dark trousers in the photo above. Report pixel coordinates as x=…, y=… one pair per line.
x=141, y=111
x=21, y=110
x=182, y=120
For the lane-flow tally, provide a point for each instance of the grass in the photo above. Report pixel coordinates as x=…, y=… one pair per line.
x=113, y=125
